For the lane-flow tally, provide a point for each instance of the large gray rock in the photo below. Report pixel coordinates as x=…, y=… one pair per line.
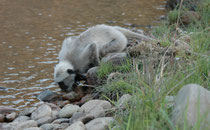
x=68, y=110
x=192, y=100
x=80, y=116
x=99, y=123
x=27, y=111
x=21, y=119
x=42, y=111
x=96, y=108
x=47, y=95
x=76, y=126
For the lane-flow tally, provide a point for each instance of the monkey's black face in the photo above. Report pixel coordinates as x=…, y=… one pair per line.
x=69, y=83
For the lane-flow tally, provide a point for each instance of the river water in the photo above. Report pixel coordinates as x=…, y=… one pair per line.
x=32, y=31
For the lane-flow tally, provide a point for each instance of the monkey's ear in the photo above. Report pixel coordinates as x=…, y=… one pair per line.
x=70, y=71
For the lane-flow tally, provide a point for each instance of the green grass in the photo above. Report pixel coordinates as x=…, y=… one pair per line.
x=107, y=68
x=148, y=108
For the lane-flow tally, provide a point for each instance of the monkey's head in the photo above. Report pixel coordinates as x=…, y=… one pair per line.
x=65, y=76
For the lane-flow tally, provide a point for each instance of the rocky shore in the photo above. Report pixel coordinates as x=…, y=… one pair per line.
x=82, y=109
x=97, y=114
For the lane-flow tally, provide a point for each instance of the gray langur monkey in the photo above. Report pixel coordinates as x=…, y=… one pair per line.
x=80, y=53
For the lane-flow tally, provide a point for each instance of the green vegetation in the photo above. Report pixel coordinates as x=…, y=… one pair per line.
x=107, y=68
x=150, y=85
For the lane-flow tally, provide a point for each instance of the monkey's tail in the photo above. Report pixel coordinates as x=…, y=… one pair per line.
x=131, y=34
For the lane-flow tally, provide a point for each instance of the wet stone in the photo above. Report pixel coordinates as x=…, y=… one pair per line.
x=47, y=96
x=10, y=117
x=4, y=109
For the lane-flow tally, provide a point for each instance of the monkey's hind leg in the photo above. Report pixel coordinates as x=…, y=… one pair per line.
x=116, y=45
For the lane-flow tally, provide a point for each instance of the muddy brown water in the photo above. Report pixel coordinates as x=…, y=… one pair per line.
x=32, y=31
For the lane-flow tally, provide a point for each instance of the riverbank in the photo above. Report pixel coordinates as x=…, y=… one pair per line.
x=160, y=98
x=141, y=88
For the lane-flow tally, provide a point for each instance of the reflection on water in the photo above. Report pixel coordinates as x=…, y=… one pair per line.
x=32, y=32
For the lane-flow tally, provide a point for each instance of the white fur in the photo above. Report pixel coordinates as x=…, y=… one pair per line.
x=60, y=72
x=79, y=52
